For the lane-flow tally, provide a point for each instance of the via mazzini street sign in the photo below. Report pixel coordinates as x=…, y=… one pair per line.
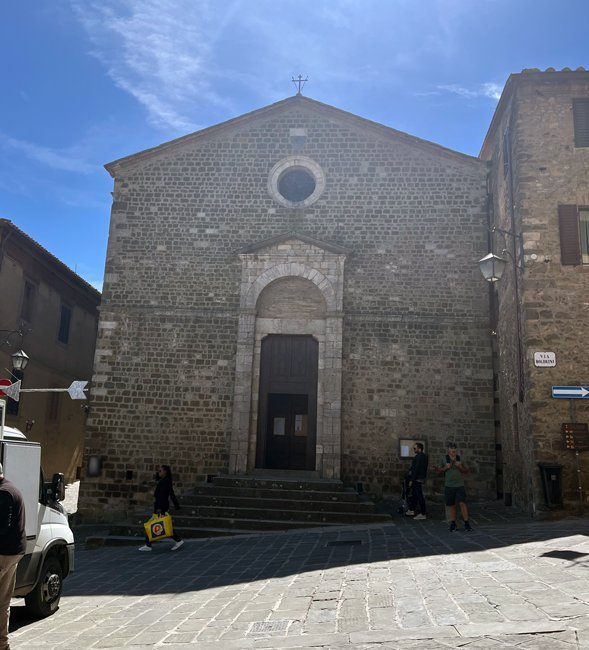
x=75, y=391
x=567, y=392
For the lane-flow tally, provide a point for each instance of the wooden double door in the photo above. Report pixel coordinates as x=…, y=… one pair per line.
x=287, y=418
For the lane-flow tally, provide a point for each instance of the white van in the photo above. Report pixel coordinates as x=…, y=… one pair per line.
x=50, y=541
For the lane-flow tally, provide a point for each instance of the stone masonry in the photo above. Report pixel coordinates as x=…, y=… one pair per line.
x=380, y=263
x=535, y=168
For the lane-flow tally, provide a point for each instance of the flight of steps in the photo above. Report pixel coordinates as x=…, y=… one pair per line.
x=237, y=505
x=231, y=505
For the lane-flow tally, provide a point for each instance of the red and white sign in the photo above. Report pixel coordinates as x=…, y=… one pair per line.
x=4, y=382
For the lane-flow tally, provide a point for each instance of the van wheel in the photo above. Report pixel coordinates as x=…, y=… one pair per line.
x=44, y=599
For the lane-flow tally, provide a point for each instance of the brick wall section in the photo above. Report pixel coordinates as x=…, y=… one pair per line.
x=416, y=351
x=547, y=170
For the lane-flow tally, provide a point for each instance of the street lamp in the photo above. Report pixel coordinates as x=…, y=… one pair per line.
x=492, y=267
x=20, y=360
x=13, y=339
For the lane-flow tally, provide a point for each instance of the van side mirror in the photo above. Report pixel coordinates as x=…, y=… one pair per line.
x=58, y=487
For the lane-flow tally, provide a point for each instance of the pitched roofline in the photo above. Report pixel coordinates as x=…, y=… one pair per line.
x=72, y=276
x=511, y=84
x=354, y=120
x=332, y=248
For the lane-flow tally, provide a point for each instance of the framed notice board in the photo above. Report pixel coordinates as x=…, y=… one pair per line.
x=406, y=447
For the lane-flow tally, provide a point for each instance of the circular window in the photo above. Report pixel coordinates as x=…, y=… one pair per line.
x=296, y=185
x=296, y=181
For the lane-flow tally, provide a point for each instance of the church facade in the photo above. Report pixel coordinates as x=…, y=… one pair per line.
x=293, y=291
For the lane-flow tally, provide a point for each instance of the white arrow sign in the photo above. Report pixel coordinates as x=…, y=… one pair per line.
x=567, y=392
x=76, y=390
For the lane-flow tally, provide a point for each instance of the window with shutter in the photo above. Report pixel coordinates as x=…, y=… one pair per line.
x=65, y=319
x=570, y=235
x=581, y=122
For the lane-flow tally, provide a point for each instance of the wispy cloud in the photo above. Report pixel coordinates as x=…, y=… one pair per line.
x=488, y=89
x=159, y=51
x=63, y=160
x=178, y=57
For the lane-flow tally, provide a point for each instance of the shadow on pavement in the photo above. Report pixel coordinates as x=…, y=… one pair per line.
x=219, y=562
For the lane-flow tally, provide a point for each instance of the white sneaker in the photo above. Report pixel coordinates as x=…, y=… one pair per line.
x=145, y=548
x=420, y=516
x=409, y=513
x=177, y=545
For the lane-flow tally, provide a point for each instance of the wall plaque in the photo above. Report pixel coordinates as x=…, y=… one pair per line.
x=545, y=359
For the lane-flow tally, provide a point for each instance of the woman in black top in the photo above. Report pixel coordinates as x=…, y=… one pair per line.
x=164, y=491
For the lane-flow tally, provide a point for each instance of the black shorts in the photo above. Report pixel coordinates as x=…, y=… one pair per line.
x=454, y=495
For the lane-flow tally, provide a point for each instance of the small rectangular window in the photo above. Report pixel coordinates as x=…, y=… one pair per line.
x=64, y=324
x=506, y=156
x=584, y=234
x=28, y=301
x=581, y=122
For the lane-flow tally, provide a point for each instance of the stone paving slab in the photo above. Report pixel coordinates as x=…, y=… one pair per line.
x=409, y=584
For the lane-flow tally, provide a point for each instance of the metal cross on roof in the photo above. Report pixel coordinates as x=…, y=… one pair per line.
x=299, y=82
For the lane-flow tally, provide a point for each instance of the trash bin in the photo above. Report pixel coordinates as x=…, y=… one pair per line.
x=551, y=483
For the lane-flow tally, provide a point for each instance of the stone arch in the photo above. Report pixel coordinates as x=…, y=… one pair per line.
x=289, y=258
x=291, y=297
x=291, y=269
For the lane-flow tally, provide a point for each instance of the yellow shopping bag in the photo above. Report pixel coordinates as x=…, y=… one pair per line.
x=159, y=527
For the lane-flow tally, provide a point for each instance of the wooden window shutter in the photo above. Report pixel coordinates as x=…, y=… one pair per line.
x=568, y=223
x=581, y=122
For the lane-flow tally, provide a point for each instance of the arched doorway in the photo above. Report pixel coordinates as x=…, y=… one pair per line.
x=291, y=290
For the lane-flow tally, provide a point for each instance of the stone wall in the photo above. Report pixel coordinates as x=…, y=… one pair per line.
x=413, y=321
x=547, y=171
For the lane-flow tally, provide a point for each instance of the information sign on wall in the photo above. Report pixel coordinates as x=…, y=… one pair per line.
x=545, y=359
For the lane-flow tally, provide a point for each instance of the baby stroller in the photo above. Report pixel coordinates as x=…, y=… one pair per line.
x=406, y=500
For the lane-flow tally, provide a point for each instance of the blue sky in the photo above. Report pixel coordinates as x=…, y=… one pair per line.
x=85, y=82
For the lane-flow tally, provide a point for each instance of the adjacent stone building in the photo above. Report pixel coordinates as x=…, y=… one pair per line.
x=52, y=313
x=296, y=290
x=538, y=149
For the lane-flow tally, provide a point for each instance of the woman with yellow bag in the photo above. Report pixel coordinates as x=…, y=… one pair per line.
x=164, y=491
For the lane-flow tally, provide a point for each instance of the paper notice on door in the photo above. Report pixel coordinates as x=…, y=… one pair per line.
x=301, y=425
x=279, y=426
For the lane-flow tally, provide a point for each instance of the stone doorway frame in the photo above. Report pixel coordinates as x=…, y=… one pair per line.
x=289, y=255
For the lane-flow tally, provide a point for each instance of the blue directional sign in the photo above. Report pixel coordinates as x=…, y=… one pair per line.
x=570, y=392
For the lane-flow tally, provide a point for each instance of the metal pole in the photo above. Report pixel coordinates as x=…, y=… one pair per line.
x=572, y=415
x=3, y=409
x=579, y=482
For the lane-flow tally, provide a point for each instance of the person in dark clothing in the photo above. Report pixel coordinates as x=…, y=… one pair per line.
x=417, y=475
x=13, y=544
x=163, y=493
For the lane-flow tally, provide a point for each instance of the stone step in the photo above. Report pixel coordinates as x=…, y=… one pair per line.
x=199, y=513
x=291, y=482
x=251, y=525
x=211, y=496
x=230, y=526
x=349, y=496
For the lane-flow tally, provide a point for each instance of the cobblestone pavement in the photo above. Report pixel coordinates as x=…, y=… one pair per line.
x=409, y=584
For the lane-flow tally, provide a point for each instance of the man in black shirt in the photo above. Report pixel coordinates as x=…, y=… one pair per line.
x=13, y=542
x=417, y=475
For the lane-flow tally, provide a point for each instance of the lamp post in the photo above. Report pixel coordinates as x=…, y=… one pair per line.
x=20, y=360
x=12, y=338
x=492, y=267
